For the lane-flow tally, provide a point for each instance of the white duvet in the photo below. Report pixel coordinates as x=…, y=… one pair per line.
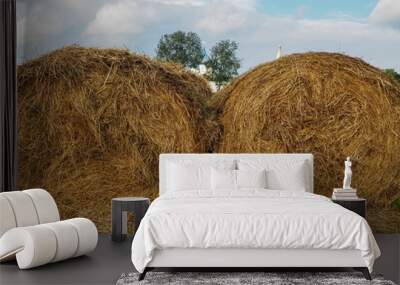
x=250, y=219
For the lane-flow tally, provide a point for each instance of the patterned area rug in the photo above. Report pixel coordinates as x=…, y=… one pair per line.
x=269, y=278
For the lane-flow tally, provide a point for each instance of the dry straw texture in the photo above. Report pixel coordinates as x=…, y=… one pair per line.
x=327, y=104
x=92, y=123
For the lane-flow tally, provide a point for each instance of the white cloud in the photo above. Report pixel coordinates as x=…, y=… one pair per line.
x=218, y=20
x=43, y=25
x=386, y=12
x=51, y=17
x=221, y=16
x=121, y=17
x=194, y=3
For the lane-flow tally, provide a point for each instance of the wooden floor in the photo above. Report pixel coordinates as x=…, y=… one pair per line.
x=110, y=260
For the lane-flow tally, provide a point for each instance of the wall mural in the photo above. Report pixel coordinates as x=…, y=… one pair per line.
x=99, y=98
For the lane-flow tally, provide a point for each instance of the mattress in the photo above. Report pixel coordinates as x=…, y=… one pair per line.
x=250, y=219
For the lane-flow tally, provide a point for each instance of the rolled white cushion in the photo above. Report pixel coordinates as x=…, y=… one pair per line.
x=33, y=246
x=23, y=208
x=37, y=245
x=45, y=205
x=7, y=218
x=67, y=240
x=87, y=235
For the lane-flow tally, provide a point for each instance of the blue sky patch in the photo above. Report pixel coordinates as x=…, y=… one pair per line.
x=318, y=9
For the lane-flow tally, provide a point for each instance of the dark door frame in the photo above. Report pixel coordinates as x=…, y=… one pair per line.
x=8, y=98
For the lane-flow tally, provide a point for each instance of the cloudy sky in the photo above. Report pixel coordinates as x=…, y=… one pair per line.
x=369, y=29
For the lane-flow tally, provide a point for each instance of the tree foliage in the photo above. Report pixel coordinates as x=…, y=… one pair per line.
x=181, y=47
x=186, y=48
x=393, y=73
x=223, y=64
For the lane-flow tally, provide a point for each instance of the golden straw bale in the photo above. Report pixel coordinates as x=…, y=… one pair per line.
x=92, y=123
x=384, y=220
x=327, y=104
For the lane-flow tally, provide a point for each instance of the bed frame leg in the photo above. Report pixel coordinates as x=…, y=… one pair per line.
x=143, y=274
x=364, y=271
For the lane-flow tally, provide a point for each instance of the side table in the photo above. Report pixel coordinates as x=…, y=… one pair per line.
x=358, y=205
x=119, y=208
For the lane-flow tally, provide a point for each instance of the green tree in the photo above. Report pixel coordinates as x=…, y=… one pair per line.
x=223, y=64
x=393, y=73
x=181, y=47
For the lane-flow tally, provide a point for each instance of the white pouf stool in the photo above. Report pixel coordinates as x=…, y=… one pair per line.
x=31, y=230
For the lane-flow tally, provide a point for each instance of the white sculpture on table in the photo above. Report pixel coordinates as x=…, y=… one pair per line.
x=347, y=174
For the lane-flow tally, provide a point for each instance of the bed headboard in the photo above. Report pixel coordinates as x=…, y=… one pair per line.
x=205, y=157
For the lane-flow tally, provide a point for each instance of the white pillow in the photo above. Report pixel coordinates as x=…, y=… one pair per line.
x=251, y=178
x=292, y=178
x=188, y=177
x=223, y=179
x=282, y=174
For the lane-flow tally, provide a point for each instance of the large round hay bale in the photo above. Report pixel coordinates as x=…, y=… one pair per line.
x=92, y=123
x=327, y=104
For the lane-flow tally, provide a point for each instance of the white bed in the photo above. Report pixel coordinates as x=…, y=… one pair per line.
x=250, y=227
